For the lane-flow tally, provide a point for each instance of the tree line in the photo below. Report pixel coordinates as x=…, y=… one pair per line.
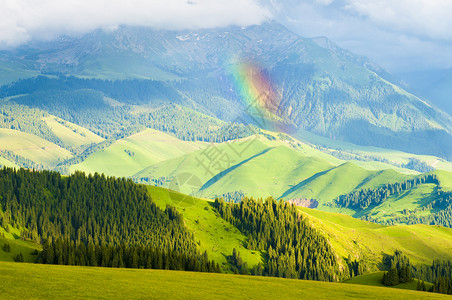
x=66, y=252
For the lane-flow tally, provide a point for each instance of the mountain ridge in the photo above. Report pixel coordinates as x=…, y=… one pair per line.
x=315, y=85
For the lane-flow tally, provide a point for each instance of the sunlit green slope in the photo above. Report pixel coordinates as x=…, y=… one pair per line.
x=32, y=147
x=127, y=156
x=369, y=241
x=347, y=235
x=71, y=134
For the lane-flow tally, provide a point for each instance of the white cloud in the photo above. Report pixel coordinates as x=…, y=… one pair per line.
x=428, y=18
x=324, y=2
x=22, y=20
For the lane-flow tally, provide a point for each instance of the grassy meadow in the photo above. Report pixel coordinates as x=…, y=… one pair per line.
x=25, y=281
x=32, y=147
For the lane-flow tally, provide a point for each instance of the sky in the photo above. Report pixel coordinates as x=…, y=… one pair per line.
x=400, y=35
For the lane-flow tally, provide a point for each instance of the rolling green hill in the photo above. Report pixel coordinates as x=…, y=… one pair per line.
x=215, y=235
x=47, y=281
x=71, y=134
x=127, y=156
x=363, y=241
x=263, y=167
x=32, y=147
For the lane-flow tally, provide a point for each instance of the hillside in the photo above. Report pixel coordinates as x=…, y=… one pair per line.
x=262, y=167
x=127, y=156
x=32, y=147
x=71, y=134
x=366, y=240
x=215, y=235
x=347, y=235
x=205, y=224
x=6, y=163
x=46, y=281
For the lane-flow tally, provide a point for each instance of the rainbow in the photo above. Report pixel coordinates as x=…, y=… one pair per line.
x=258, y=95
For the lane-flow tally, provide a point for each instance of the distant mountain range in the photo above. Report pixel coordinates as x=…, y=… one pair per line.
x=308, y=84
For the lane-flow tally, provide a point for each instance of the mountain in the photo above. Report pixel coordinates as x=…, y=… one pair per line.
x=263, y=74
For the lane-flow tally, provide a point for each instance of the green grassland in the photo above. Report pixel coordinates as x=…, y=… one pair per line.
x=17, y=245
x=198, y=163
x=445, y=178
x=71, y=134
x=215, y=235
x=127, y=156
x=376, y=279
x=24, y=281
x=32, y=147
x=369, y=241
x=327, y=185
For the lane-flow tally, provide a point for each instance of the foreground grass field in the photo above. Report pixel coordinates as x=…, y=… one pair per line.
x=25, y=281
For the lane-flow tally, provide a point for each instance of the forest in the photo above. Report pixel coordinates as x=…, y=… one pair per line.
x=76, y=215
x=293, y=248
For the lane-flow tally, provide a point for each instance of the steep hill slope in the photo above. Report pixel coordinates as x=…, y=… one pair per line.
x=215, y=235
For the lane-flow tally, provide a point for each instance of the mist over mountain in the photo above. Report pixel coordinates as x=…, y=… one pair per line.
x=434, y=85
x=311, y=83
